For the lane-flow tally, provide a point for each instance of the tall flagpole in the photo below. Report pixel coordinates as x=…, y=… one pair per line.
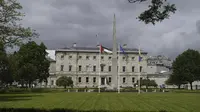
x=118, y=79
x=139, y=71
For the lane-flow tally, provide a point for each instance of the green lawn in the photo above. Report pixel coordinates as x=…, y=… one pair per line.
x=177, y=102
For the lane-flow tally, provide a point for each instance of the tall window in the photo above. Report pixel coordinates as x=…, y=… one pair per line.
x=62, y=56
x=61, y=67
x=70, y=67
x=87, y=67
x=133, y=58
x=94, y=68
x=70, y=57
x=124, y=69
x=87, y=79
x=79, y=79
x=109, y=79
x=94, y=79
x=94, y=57
x=133, y=79
x=109, y=57
x=109, y=68
x=133, y=69
x=87, y=57
x=102, y=57
x=140, y=68
x=124, y=58
x=79, y=68
x=52, y=82
x=102, y=68
x=124, y=79
x=80, y=57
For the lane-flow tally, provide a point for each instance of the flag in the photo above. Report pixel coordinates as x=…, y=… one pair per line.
x=140, y=58
x=122, y=50
x=104, y=50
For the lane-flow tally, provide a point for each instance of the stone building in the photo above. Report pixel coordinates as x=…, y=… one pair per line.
x=82, y=65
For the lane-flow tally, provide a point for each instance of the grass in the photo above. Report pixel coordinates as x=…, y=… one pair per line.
x=176, y=102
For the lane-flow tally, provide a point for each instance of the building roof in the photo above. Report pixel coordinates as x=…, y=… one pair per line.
x=96, y=49
x=51, y=54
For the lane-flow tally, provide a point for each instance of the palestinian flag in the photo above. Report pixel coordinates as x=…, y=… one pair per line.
x=105, y=50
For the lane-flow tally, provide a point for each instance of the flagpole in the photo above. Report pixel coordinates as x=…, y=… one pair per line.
x=139, y=71
x=118, y=80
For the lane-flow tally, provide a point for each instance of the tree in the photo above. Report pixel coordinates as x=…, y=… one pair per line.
x=64, y=81
x=5, y=71
x=175, y=80
x=44, y=64
x=157, y=11
x=11, y=31
x=186, y=67
x=147, y=82
x=32, y=56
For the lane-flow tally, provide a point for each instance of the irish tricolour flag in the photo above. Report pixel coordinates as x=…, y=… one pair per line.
x=105, y=50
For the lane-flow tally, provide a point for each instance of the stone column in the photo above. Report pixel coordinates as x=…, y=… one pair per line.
x=114, y=57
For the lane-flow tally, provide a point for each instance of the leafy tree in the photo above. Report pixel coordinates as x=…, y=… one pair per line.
x=157, y=11
x=175, y=80
x=186, y=67
x=28, y=73
x=5, y=71
x=43, y=66
x=147, y=82
x=11, y=31
x=32, y=56
x=64, y=81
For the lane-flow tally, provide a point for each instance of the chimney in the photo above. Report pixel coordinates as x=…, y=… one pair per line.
x=74, y=45
x=125, y=45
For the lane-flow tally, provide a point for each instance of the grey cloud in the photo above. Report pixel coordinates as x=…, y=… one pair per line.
x=63, y=22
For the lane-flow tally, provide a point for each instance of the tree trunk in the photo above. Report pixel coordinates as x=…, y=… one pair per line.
x=179, y=86
x=65, y=87
x=191, y=86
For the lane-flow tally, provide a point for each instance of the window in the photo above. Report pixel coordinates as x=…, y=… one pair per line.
x=124, y=79
x=87, y=68
x=102, y=57
x=70, y=57
x=94, y=57
x=87, y=57
x=61, y=67
x=109, y=57
x=70, y=67
x=133, y=69
x=52, y=82
x=79, y=79
x=94, y=79
x=102, y=67
x=94, y=68
x=124, y=58
x=109, y=68
x=117, y=68
x=109, y=79
x=124, y=68
x=80, y=57
x=62, y=57
x=79, y=68
x=87, y=79
x=140, y=68
x=133, y=79
x=133, y=58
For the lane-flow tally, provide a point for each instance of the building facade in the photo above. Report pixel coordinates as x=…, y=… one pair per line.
x=82, y=65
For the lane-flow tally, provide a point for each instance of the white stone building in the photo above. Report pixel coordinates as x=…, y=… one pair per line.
x=82, y=65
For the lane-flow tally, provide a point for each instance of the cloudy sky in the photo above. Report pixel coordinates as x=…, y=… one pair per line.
x=63, y=22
